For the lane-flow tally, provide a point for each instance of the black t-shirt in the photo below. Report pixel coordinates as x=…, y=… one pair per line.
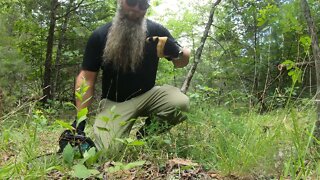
x=116, y=85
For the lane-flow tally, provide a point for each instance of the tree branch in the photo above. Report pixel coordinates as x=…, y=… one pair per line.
x=197, y=59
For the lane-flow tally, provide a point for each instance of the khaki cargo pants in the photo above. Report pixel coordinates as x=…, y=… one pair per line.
x=115, y=120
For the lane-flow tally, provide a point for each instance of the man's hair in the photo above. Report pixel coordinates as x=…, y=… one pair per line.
x=124, y=48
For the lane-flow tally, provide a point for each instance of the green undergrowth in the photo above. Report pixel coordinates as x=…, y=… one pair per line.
x=274, y=145
x=277, y=144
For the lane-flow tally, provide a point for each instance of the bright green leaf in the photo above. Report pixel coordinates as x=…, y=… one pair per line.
x=116, y=116
x=68, y=154
x=105, y=119
x=93, y=156
x=137, y=143
x=291, y=73
x=289, y=64
x=123, y=123
x=80, y=171
x=261, y=22
x=83, y=112
x=78, y=96
x=88, y=154
x=103, y=129
x=64, y=125
x=85, y=89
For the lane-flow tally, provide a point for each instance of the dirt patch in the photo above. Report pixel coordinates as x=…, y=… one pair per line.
x=5, y=157
x=49, y=141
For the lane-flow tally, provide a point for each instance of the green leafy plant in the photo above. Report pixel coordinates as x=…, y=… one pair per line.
x=80, y=168
x=305, y=41
x=73, y=156
x=295, y=73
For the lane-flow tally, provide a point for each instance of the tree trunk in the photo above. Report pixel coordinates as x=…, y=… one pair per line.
x=316, y=55
x=46, y=87
x=255, y=85
x=57, y=67
x=197, y=59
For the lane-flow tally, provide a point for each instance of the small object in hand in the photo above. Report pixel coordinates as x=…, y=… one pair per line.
x=78, y=140
x=166, y=47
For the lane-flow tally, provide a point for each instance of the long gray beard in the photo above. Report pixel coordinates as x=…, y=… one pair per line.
x=125, y=43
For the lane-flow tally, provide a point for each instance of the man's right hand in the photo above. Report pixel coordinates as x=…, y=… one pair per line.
x=67, y=135
x=89, y=78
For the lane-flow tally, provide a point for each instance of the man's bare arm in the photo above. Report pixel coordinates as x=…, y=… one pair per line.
x=183, y=60
x=89, y=78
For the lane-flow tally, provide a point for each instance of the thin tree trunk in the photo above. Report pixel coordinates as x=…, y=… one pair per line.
x=316, y=55
x=57, y=67
x=263, y=107
x=255, y=75
x=48, y=63
x=197, y=59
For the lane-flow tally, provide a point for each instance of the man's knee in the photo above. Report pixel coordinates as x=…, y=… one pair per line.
x=176, y=99
x=181, y=102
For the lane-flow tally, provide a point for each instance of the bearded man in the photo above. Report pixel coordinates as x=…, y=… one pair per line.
x=127, y=50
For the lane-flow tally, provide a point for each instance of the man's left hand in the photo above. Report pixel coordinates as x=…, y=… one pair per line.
x=166, y=47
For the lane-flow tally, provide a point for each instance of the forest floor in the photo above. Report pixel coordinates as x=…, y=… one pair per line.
x=214, y=143
x=171, y=168
x=174, y=169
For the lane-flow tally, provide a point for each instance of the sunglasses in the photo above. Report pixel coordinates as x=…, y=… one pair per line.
x=143, y=4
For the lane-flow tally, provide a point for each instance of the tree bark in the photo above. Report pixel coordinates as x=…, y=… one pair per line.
x=197, y=59
x=255, y=83
x=46, y=87
x=316, y=55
